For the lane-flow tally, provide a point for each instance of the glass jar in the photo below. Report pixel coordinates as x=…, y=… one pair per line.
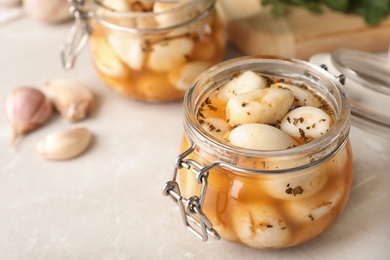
x=263, y=198
x=147, y=50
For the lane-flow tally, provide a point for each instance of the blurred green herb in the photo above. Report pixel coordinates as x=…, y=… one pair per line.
x=373, y=11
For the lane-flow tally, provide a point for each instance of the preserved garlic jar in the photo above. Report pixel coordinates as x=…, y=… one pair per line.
x=265, y=156
x=147, y=50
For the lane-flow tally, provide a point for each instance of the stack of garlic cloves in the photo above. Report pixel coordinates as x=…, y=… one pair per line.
x=28, y=108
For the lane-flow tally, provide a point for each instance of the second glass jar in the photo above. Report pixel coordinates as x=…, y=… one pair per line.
x=153, y=50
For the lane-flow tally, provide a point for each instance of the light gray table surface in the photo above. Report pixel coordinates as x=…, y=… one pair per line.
x=108, y=204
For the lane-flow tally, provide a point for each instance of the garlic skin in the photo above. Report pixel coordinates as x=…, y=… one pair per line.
x=64, y=144
x=48, y=11
x=73, y=100
x=27, y=108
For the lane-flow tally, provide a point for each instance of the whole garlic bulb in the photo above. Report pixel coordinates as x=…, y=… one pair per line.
x=48, y=11
x=27, y=108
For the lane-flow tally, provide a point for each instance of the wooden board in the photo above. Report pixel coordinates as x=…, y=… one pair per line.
x=301, y=34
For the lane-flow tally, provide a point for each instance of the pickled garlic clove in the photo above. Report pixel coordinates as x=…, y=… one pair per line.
x=217, y=127
x=260, y=137
x=27, y=108
x=116, y=5
x=306, y=123
x=301, y=97
x=318, y=206
x=141, y=5
x=156, y=87
x=298, y=187
x=129, y=49
x=72, y=99
x=244, y=82
x=167, y=55
x=170, y=14
x=265, y=106
x=183, y=76
x=65, y=144
x=223, y=229
x=105, y=59
x=261, y=226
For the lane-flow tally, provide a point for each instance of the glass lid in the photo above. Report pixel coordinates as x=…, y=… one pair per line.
x=367, y=84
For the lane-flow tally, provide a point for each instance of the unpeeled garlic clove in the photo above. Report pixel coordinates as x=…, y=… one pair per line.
x=48, y=11
x=27, y=108
x=73, y=100
x=65, y=144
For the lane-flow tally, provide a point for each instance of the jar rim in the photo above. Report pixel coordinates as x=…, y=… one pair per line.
x=337, y=134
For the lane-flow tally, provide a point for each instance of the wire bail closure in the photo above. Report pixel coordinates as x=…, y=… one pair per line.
x=191, y=209
x=78, y=35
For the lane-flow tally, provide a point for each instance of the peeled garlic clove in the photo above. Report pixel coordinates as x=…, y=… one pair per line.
x=306, y=123
x=105, y=59
x=64, y=145
x=300, y=186
x=217, y=127
x=183, y=76
x=224, y=230
x=265, y=106
x=73, y=100
x=260, y=137
x=116, y=5
x=27, y=108
x=261, y=226
x=129, y=49
x=169, y=54
x=245, y=82
x=169, y=14
x=301, y=97
x=318, y=206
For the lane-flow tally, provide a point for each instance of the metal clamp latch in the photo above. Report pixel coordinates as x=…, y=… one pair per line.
x=78, y=35
x=191, y=209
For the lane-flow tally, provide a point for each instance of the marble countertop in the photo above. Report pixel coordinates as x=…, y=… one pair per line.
x=108, y=203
